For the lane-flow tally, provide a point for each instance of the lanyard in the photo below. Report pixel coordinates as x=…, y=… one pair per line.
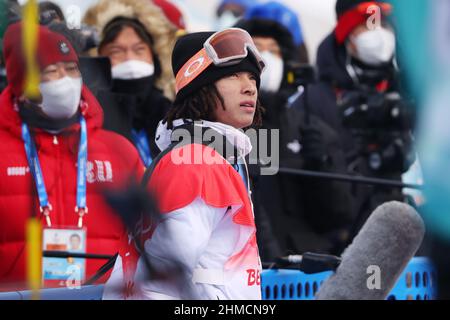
x=141, y=142
x=35, y=168
x=241, y=169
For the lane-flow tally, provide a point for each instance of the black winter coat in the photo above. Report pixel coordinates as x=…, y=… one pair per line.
x=134, y=104
x=295, y=210
x=320, y=101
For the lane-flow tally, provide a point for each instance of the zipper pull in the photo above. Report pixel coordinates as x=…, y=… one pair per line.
x=55, y=140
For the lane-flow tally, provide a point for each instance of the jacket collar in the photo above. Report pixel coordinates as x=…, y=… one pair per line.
x=237, y=138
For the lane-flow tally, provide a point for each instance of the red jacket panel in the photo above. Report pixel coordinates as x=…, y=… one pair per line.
x=112, y=161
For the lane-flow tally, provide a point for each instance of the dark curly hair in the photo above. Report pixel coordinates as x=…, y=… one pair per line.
x=201, y=105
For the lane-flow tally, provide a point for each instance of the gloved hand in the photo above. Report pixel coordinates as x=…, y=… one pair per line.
x=314, y=145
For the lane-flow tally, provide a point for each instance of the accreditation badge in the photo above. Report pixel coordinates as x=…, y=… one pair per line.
x=64, y=271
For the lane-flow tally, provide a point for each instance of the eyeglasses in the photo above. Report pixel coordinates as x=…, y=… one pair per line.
x=223, y=48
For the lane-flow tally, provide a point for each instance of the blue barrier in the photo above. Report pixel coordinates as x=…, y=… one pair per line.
x=290, y=284
x=84, y=293
x=417, y=282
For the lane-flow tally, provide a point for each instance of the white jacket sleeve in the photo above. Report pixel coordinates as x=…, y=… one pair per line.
x=175, y=247
x=113, y=289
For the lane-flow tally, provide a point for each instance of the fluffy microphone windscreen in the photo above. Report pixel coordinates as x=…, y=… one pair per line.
x=377, y=256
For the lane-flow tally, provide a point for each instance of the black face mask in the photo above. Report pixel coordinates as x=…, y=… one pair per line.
x=31, y=116
x=136, y=87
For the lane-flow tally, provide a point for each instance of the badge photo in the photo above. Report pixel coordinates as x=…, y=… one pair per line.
x=60, y=271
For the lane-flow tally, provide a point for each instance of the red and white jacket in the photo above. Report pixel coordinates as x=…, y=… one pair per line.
x=112, y=160
x=206, y=229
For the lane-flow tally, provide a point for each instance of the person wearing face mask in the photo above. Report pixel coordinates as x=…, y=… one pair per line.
x=276, y=11
x=138, y=40
x=285, y=203
x=275, y=44
x=56, y=161
x=357, y=60
x=229, y=12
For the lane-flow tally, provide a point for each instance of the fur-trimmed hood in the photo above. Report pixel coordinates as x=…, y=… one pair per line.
x=164, y=34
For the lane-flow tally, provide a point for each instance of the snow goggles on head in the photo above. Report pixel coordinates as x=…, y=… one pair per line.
x=223, y=48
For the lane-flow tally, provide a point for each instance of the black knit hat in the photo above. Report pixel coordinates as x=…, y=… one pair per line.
x=344, y=5
x=187, y=46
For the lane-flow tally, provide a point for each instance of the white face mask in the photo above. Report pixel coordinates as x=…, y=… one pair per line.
x=61, y=98
x=132, y=69
x=226, y=20
x=375, y=47
x=273, y=74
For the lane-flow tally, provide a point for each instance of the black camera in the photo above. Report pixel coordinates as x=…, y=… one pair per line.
x=381, y=125
x=299, y=74
x=376, y=111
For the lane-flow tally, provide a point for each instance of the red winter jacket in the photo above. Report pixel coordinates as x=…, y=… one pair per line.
x=111, y=162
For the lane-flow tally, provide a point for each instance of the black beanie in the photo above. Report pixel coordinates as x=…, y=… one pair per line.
x=344, y=5
x=187, y=46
